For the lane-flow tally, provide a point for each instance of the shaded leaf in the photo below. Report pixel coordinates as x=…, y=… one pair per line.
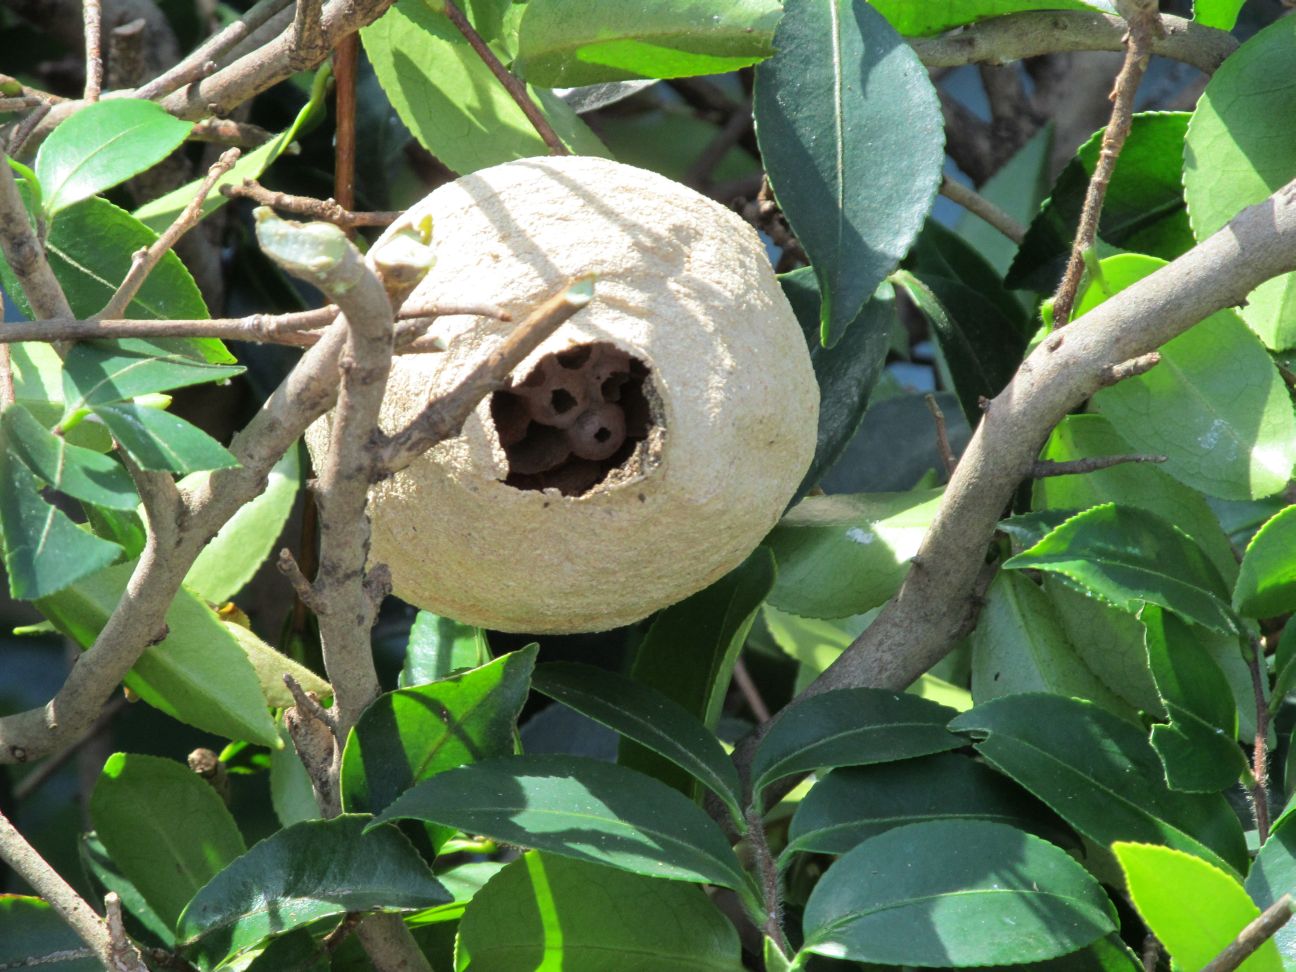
x=32, y=933
x=78, y=472
x=438, y=646
x=105, y=372
x=1266, y=584
x=270, y=667
x=1274, y=874
x=104, y=870
x=940, y=252
x=157, y=440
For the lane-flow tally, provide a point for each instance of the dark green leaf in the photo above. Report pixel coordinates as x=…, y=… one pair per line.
x=165, y=827
x=1101, y=775
x=850, y=727
x=939, y=252
x=104, y=144
x=851, y=135
x=1236, y=156
x=158, y=440
x=104, y=870
x=298, y=951
x=842, y=555
x=305, y=872
x=414, y=733
x=580, y=808
x=892, y=900
x=846, y=372
x=105, y=372
x=1129, y=557
x=81, y=473
x=918, y=19
x=609, y=920
x=648, y=717
x=1274, y=874
x=438, y=646
x=1199, y=747
x=33, y=935
x=562, y=43
x=689, y=653
x=1266, y=584
x=852, y=804
x=44, y=551
x=1284, y=663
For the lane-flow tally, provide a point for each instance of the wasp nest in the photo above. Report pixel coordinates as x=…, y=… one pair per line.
x=639, y=453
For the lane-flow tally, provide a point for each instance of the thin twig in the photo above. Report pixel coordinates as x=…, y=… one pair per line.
x=345, y=66
x=328, y=210
x=1250, y=938
x=20, y=103
x=28, y=125
x=186, y=72
x=979, y=205
x=92, y=16
x=143, y=261
x=7, y=394
x=1144, y=25
x=1044, y=468
x=767, y=869
x=516, y=89
x=227, y=131
x=24, y=253
x=1259, y=789
x=1151, y=952
x=307, y=702
x=739, y=123
x=1144, y=363
x=301, y=584
x=942, y=435
x=747, y=686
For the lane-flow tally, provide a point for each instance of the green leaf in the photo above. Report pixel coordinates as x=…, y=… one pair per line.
x=305, y=872
x=1018, y=188
x=1236, y=156
x=1220, y=14
x=850, y=130
x=414, y=733
x=1081, y=761
x=688, y=654
x=842, y=555
x=1266, y=584
x=33, y=935
x=940, y=252
x=44, y=551
x=1020, y=645
x=1129, y=557
x=850, y=727
x=438, y=646
x=852, y=804
x=564, y=44
x=450, y=101
x=1215, y=406
x=846, y=372
x=270, y=666
x=1194, y=909
x=165, y=827
x=935, y=16
x=243, y=543
x=104, y=144
x=298, y=951
x=104, y=870
x=1199, y=747
x=198, y=674
x=160, y=441
x=1274, y=874
x=581, y=808
x=106, y=372
x=1143, y=210
x=641, y=713
x=290, y=786
x=80, y=473
x=1284, y=663
x=893, y=901
x=1138, y=484
x=544, y=911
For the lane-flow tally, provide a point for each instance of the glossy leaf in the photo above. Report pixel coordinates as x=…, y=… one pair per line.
x=564, y=44
x=892, y=901
x=81, y=473
x=107, y=372
x=1101, y=775
x=1274, y=874
x=844, y=554
x=1215, y=406
x=414, y=733
x=1129, y=557
x=33, y=934
x=1266, y=584
x=580, y=808
x=450, y=101
x=165, y=827
x=198, y=673
x=936, y=16
x=1194, y=909
x=851, y=135
x=852, y=804
x=305, y=872
x=157, y=440
x=247, y=538
x=1236, y=156
x=298, y=951
x=1199, y=746
x=846, y=372
x=438, y=646
x=648, y=717
x=850, y=727
x=545, y=911
x=1220, y=14
x=943, y=253
x=101, y=145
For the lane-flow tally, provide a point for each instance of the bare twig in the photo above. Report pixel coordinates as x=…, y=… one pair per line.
x=92, y=16
x=143, y=262
x=24, y=253
x=1144, y=24
x=186, y=72
x=738, y=125
x=516, y=89
x=747, y=686
x=328, y=210
x=24, y=130
x=20, y=103
x=346, y=57
x=1250, y=938
x=978, y=205
x=126, y=54
x=227, y=131
x=1112, y=374
x=309, y=704
x=1259, y=786
x=7, y=395
x=1151, y=952
x=1044, y=468
x=301, y=585
x=942, y=435
x=442, y=417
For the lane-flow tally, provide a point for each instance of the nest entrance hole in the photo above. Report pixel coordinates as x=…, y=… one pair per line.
x=579, y=415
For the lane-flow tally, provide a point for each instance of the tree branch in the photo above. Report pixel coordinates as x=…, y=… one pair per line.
x=328, y=210
x=1250, y=938
x=92, y=18
x=1044, y=468
x=24, y=253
